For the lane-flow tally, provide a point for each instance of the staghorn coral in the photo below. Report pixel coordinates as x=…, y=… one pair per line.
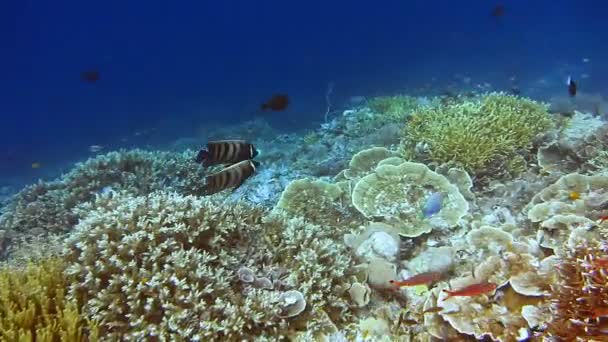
x=48, y=206
x=34, y=307
x=166, y=265
x=579, y=300
x=398, y=193
x=481, y=135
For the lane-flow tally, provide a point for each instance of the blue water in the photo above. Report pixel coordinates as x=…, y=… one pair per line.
x=172, y=68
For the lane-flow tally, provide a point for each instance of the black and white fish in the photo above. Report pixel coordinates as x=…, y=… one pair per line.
x=571, y=86
x=226, y=152
x=231, y=177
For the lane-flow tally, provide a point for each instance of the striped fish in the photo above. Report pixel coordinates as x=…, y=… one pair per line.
x=231, y=177
x=226, y=152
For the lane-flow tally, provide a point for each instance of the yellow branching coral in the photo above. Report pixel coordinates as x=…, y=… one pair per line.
x=33, y=306
x=481, y=136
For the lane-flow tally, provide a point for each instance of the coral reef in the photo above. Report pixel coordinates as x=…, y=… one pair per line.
x=579, y=300
x=568, y=209
x=168, y=266
x=483, y=136
x=47, y=206
x=398, y=195
x=34, y=307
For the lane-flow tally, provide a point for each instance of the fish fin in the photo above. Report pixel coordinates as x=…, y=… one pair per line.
x=238, y=185
x=569, y=80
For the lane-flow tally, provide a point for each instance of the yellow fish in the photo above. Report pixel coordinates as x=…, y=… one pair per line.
x=36, y=165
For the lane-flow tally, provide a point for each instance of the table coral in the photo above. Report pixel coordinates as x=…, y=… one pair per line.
x=168, y=265
x=482, y=136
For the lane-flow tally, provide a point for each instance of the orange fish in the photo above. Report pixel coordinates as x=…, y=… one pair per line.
x=471, y=290
x=419, y=279
x=603, y=218
x=276, y=103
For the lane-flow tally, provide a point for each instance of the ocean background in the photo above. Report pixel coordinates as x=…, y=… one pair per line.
x=169, y=70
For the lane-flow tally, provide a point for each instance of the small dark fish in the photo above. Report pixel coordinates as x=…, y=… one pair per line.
x=498, y=11
x=276, y=103
x=571, y=87
x=515, y=90
x=226, y=152
x=433, y=309
x=90, y=76
x=231, y=177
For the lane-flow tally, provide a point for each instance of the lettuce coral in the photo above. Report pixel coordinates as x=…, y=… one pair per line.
x=168, y=265
x=482, y=136
x=398, y=195
x=34, y=307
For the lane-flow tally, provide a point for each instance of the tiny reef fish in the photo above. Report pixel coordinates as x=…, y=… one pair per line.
x=225, y=152
x=277, y=102
x=90, y=76
x=433, y=204
x=498, y=11
x=602, y=218
x=571, y=86
x=574, y=195
x=419, y=279
x=231, y=177
x=471, y=290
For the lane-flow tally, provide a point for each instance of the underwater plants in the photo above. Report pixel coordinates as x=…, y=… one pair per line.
x=479, y=135
x=34, y=306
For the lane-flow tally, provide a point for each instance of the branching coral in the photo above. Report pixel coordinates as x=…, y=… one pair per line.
x=168, y=266
x=580, y=297
x=47, y=206
x=480, y=135
x=33, y=306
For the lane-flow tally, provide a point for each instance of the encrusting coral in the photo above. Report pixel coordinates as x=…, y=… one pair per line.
x=34, y=306
x=171, y=266
x=482, y=136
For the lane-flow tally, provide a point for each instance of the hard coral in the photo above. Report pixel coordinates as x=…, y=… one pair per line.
x=580, y=298
x=34, y=307
x=479, y=135
x=168, y=266
x=48, y=206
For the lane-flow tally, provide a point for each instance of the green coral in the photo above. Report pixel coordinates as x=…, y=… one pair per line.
x=479, y=135
x=397, y=194
x=166, y=265
x=365, y=161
